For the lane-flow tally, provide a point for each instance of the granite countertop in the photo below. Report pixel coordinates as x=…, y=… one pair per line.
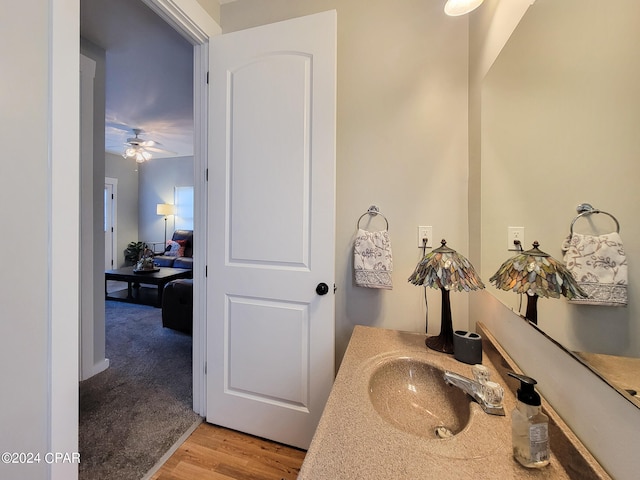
x=353, y=441
x=622, y=372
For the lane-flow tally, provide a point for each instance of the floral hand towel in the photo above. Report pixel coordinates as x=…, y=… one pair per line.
x=372, y=259
x=599, y=265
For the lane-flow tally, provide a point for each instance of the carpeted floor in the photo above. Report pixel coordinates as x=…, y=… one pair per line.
x=134, y=411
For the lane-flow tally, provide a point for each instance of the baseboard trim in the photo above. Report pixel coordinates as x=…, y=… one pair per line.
x=172, y=450
x=96, y=368
x=100, y=367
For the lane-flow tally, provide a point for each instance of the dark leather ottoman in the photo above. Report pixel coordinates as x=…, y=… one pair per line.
x=177, y=305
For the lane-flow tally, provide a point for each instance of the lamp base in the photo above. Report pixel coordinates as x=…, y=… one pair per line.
x=532, y=309
x=443, y=342
x=439, y=344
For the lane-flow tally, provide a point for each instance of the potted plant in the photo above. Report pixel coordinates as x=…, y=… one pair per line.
x=134, y=251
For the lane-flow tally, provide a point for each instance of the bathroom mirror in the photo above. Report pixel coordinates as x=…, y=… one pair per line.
x=561, y=127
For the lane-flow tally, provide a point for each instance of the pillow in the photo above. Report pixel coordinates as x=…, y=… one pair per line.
x=172, y=249
x=181, y=245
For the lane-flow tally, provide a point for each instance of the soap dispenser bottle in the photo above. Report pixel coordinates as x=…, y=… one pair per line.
x=529, y=426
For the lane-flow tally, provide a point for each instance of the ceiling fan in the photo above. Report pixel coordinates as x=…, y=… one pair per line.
x=139, y=149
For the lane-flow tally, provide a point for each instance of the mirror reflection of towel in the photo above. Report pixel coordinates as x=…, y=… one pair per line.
x=372, y=259
x=599, y=265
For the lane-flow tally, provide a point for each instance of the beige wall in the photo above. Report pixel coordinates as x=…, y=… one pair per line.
x=212, y=7
x=489, y=29
x=25, y=187
x=401, y=142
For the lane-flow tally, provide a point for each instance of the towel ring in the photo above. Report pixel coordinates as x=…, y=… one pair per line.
x=373, y=211
x=585, y=209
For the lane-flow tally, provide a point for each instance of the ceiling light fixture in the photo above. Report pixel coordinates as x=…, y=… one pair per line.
x=455, y=8
x=138, y=148
x=138, y=153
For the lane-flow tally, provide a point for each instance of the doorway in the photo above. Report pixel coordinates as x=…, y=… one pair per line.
x=110, y=221
x=62, y=311
x=196, y=35
x=196, y=377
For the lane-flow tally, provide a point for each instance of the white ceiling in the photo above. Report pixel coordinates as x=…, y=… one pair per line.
x=149, y=75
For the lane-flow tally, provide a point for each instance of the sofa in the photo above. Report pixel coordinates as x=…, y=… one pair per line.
x=178, y=252
x=177, y=295
x=177, y=305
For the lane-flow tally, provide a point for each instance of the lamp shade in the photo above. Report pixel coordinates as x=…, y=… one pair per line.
x=165, y=209
x=447, y=269
x=454, y=8
x=535, y=272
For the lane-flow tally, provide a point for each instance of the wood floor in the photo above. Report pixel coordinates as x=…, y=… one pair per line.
x=217, y=453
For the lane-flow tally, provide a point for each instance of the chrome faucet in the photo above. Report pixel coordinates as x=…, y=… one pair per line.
x=475, y=390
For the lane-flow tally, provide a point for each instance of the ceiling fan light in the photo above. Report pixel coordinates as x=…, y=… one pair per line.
x=454, y=8
x=136, y=148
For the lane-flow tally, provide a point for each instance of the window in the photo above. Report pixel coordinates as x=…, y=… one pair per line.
x=183, y=199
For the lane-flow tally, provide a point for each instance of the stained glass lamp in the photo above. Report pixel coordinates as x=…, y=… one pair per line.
x=446, y=269
x=537, y=274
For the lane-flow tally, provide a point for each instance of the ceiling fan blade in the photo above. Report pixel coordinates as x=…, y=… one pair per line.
x=140, y=142
x=159, y=150
x=110, y=125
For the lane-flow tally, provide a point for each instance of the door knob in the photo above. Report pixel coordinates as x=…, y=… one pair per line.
x=322, y=289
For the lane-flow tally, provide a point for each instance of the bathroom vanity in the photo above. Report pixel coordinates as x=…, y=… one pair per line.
x=389, y=399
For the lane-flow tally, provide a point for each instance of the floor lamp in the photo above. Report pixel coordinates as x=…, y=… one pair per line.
x=165, y=209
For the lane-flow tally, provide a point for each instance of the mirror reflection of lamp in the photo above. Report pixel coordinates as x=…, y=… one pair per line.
x=537, y=274
x=446, y=269
x=165, y=209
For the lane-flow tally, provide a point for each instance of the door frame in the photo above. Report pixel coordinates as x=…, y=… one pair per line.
x=185, y=16
x=113, y=182
x=195, y=24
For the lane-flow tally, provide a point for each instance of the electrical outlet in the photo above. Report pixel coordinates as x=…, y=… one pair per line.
x=513, y=234
x=425, y=232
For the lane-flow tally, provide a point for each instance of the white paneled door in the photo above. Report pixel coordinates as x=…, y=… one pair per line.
x=270, y=298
